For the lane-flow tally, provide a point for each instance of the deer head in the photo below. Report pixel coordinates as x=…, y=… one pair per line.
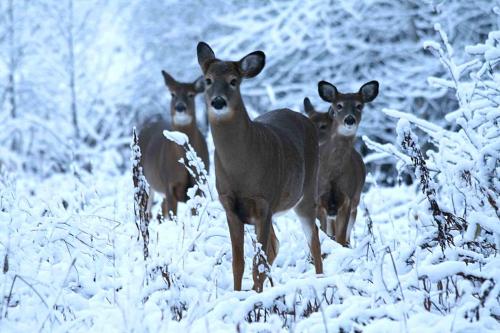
x=223, y=79
x=182, y=105
x=346, y=109
x=321, y=121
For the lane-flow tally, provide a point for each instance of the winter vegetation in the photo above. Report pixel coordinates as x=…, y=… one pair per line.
x=79, y=253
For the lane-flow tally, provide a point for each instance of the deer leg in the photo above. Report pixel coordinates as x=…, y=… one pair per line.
x=342, y=222
x=330, y=225
x=307, y=215
x=322, y=215
x=332, y=211
x=149, y=205
x=164, y=206
x=352, y=217
x=179, y=195
x=237, y=234
x=272, y=246
x=261, y=217
x=169, y=203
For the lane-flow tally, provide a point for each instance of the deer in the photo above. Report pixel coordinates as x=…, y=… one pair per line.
x=262, y=166
x=160, y=157
x=341, y=169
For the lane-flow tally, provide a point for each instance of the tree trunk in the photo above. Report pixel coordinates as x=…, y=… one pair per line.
x=11, y=85
x=72, y=75
x=11, y=90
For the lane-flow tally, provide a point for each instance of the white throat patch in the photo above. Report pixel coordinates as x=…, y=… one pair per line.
x=219, y=114
x=182, y=119
x=347, y=130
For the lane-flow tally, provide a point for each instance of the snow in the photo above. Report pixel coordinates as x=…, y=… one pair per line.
x=177, y=137
x=423, y=255
x=86, y=261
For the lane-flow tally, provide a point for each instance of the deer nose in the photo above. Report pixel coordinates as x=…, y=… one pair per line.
x=180, y=107
x=218, y=103
x=350, y=120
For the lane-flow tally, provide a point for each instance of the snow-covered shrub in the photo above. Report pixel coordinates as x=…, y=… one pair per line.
x=141, y=194
x=458, y=207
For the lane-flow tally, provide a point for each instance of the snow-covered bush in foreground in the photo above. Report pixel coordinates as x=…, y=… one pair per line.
x=458, y=209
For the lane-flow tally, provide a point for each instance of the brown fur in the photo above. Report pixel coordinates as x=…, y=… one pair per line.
x=160, y=157
x=263, y=166
x=341, y=168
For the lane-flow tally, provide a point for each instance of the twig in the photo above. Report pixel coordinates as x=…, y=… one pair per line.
x=29, y=285
x=58, y=295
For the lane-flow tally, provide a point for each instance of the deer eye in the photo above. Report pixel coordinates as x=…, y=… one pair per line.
x=359, y=106
x=172, y=94
x=208, y=82
x=233, y=82
x=190, y=95
x=339, y=106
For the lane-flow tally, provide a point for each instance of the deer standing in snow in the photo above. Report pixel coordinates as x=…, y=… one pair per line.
x=160, y=157
x=262, y=166
x=341, y=168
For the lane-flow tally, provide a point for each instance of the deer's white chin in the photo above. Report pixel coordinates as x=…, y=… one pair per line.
x=182, y=119
x=219, y=114
x=347, y=130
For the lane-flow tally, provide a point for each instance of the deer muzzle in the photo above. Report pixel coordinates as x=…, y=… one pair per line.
x=218, y=103
x=180, y=107
x=350, y=120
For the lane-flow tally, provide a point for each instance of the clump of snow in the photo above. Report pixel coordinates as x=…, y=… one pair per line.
x=402, y=129
x=177, y=137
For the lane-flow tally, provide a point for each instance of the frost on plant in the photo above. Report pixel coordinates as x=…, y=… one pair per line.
x=141, y=194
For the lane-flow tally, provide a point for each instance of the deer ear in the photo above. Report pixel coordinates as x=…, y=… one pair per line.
x=369, y=91
x=308, y=107
x=252, y=64
x=205, y=55
x=331, y=113
x=327, y=91
x=199, y=84
x=169, y=80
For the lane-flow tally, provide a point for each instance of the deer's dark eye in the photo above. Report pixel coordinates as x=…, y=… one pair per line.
x=208, y=82
x=190, y=95
x=339, y=106
x=172, y=94
x=359, y=106
x=233, y=82
x=322, y=126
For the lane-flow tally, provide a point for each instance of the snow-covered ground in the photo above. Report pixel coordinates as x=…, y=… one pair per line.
x=74, y=262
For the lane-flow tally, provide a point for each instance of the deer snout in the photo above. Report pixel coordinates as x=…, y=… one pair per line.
x=180, y=107
x=349, y=120
x=218, y=103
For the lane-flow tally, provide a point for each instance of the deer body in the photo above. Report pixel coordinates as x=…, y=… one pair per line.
x=263, y=166
x=160, y=157
x=340, y=183
x=262, y=147
x=342, y=170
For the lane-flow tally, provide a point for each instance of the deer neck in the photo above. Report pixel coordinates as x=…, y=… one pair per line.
x=232, y=136
x=337, y=149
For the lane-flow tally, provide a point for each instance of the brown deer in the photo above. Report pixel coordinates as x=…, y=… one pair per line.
x=262, y=166
x=160, y=157
x=341, y=168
